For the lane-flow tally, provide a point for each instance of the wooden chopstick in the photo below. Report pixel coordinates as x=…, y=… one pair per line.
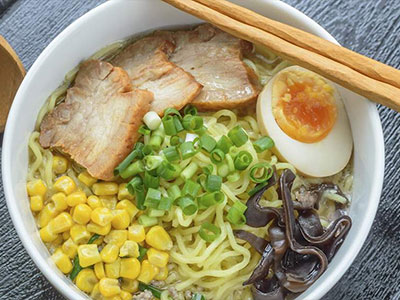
x=357, y=62
x=378, y=91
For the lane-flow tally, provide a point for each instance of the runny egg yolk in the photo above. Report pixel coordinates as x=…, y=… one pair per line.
x=303, y=105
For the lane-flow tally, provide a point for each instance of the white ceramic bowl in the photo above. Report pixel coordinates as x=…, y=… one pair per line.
x=119, y=19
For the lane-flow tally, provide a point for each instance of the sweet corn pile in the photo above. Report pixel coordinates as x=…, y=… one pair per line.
x=95, y=239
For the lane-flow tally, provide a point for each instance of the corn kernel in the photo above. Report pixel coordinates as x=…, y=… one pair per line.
x=123, y=192
x=60, y=201
x=100, y=230
x=99, y=270
x=70, y=248
x=36, y=187
x=162, y=275
x=108, y=201
x=109, y=253
x=48, y=213
x=85, y=178
x=148, y=272
x=158, y=238
x=58, y=241
x=86, y=280
x=60, y=164
x=79, y=234
x=101, y=216
x=116, y=237
x=82, y=213
x=105, y=188
x=136, y=233
x=62, y=261
x=78, y=197
x=116, y=297
x=94, y=202
x=109, y=287
x=61, y=223
x=125, y=295
x=88, y=255
x=66, y=235
x=130, y=268
x=36, y=203
x=129, y=249
x=121, y=219
x=129, y=207
x=95, y=294
x=129, y=285
x=113, y=269
x=158, y=258
x=65, y=184
x=47, y=235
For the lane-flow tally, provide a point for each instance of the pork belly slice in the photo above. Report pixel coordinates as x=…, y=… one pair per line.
x=97, y=124
x=147, y=64
x=214, y=58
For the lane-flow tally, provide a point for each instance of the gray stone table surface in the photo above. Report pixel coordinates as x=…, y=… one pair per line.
x=371, y=27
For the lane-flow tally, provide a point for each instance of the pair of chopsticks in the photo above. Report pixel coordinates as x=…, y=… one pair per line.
x=365, y=76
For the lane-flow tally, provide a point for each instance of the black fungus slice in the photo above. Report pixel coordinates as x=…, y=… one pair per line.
x=268, y=289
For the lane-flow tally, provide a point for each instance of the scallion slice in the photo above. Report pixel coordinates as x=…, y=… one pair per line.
x=165, y=203
x=152, y=162
x=187, y=150
x=235, y=217
x=169, y=125
x=189, y=171
x=261, y=172
x=142, y=252
x=242, y=160
x=176, y=140
x=208, y=169
x=210, y=199
x=171, y=154
x=263, y=144
x=209, y=232
x=156, y=213
x=190, y=110
x=136, y=153
x=151, y=181
x=213, y=183
x=208, y=143
x=223, y=170
x=133, y=169
x=178, y=124
x=191, y=188
x=188, y=206
x=144, y=130
x=224, y=144
x=217, y=156
x=152, y=120
x=174, y=191
x=238, y=136
x=136, y=187
x=147, y=221
x=155, y=142
x=153, y=198
x=192, y=123
x=168, y=171
x=172, y=111
x=198, y=296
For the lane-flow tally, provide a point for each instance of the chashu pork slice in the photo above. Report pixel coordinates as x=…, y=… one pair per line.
x=214, y=58
x=147, y=64
x=97, y=124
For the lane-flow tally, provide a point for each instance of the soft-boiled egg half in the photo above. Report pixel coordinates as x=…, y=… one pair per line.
x=304, y=114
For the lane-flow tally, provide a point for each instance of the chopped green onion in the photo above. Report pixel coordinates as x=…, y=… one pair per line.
x=210, y=199
x=165, y=203
x=233, y=151
x=224, y=144
x=201, y=179
x=187, y=150
x=76, y=269
x=155, y=291
x=263, y=144
x=231, y=164
x=191, y=188
x=172, y=111
x=174, y=191
x=241, y=207
x=139, y=196
x=208, y=143
x=142, y=252
x=233, y=177
x=147, y=150
x=209, y=232
x=171, y=153
x=93, y=238
x=178, y=124
x=135, y=181
x=198, y=296
x=169, y=125
x=208, y=169
x=147, y=221
x=213, y=183
x=238, y=136
x=155, y=213
x=192, y=123
x=136, y=153
x=235, y=217
x=190, y=110
x=168, y=171
x=144, y=130
x=217, y=156
x=223, y=170
x=175, y=140
x=151, y=181
x=189, y=171
x=188, y=206
x=152, y=162
x=153, y=198
x=152, y=120
x=133, y=169
x=202, y=130
x=155, y=142
x=243, y=160
x=264, y=171
x=257, y=188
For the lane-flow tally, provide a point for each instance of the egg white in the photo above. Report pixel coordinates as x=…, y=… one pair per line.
x=324, y=158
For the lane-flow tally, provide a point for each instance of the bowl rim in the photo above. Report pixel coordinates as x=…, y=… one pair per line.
x=42, y=264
